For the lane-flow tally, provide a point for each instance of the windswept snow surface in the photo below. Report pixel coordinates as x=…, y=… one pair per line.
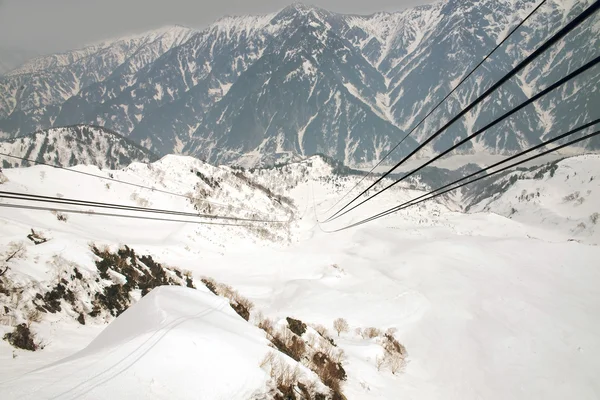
x=175, y=343
x=488, y=306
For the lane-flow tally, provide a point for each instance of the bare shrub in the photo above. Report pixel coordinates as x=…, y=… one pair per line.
x=268, y=360
x=391, y=331
x=594, y=218
x=379, y=362
x=321, y=330
x=391, y=345
x=571, y=197
x=240, y=304
x=33, y=315
x=210, y=284
x=330, y=372
x=60, y=216
x=289, y=343
x=266, y=325
x=15, y=251
x=243, y=306
x=394, y=354
x=370, y=333
x=285, y=377
x=341, y=325
x=3, y=178
x=140, y=201
x=396, y=363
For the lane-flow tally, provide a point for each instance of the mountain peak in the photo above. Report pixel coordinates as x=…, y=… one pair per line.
x=300, y=8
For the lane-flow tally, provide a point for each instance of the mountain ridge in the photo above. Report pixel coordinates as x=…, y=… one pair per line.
x=74, y=145
x=345, y=85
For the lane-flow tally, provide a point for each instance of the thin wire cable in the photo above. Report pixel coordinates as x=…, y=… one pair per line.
x=77, y=202
x=535, y=54
x=550, y=88
x=88, y=212
x=413, y=202
x=442, y=101
x=126, y=183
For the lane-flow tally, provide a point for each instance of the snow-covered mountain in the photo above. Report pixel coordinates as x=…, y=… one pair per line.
x=74, y=145
x=250, y=90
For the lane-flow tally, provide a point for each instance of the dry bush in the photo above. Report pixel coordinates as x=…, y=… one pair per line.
x=289, y=343
x=284, y=376
x=370, y=333
x=33, y=315
x=394, y=354
x=330, y=372
x=140, y=201
x=396, y=363
x=240, y=304
x=320, y=329
x=266, y=325
x=391, y=331
x=210, y=285
x=297, y=348
x=341, y=325
x=358, y=331
x=60, y=216
x=391, y=345
x=244, y=302
x=268, y=360
x=3, y=178
x=379, y=362
x=15, y=251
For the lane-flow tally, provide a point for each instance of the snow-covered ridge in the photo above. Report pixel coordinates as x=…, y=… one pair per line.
x=170, y=35
x=70, y=146
x=561, y=196
x=237, y=25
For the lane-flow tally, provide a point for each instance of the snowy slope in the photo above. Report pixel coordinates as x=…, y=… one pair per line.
x=487, y=306
x=70, y=146
x=561, y=196
x=174, y=343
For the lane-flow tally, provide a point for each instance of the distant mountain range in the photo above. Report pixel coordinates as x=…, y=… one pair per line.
x=73, y=145
x=259, y=89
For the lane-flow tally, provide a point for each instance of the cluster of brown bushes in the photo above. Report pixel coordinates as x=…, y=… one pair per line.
x=317, y=352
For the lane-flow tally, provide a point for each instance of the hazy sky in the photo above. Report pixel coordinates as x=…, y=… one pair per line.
x=54, y=25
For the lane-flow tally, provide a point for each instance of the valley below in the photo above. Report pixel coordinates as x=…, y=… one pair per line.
x=489, y=297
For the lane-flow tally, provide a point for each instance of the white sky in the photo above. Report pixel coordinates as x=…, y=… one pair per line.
x=56, y=25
